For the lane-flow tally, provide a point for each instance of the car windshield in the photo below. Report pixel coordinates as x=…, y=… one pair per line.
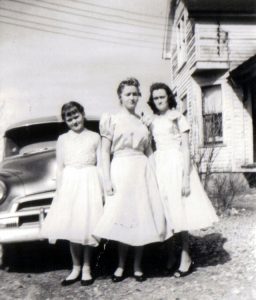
x=31, y=139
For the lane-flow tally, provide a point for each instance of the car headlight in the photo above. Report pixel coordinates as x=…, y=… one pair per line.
x=3, y=190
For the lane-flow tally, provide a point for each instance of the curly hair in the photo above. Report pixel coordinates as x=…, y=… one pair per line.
x=161, y=86
x=128, y=82
x=68, y=106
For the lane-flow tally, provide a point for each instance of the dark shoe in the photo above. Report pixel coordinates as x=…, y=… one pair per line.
x=87, y=282
x=140, y=278
x=69, y=282
x=115, y=278
x=178, y=273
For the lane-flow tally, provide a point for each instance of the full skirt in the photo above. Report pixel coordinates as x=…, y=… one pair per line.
x=183, y=213
x=134, y=214
x=76, y=208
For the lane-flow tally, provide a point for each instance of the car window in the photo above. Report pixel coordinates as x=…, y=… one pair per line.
x=31, y=139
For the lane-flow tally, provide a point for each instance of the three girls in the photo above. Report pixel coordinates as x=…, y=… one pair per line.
x=140, y=208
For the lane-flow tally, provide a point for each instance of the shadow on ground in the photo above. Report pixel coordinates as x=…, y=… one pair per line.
x=38, y=257
x=205, y=251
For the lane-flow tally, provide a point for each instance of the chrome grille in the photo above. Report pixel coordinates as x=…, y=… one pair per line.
x=27, y=205
x=28, y=219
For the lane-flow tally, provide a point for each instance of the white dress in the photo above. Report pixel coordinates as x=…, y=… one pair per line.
x=78, y=205
x=182, y=213
x=134, y=214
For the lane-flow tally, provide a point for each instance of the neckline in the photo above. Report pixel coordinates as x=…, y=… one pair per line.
x=78, y=133
x=174, y=113
x=137, y=117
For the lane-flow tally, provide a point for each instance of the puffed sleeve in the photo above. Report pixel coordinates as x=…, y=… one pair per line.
x=106, y=126
x=183, y=124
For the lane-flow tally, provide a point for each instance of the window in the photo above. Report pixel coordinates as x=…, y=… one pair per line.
x=212, y=114
x=181, y=40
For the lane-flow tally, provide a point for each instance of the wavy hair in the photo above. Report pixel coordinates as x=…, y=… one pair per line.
x=161, y=86
x=128, y=82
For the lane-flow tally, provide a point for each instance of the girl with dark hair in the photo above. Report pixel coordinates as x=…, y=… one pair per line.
x=133, y=213
x=186, y=204
x=77, y=206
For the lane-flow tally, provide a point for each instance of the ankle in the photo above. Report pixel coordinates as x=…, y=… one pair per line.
x=119, y=272
x=138, y=273
x=185, y=264
x=75, y=273
x=86, y=273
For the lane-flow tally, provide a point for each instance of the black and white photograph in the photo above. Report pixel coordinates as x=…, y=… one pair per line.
x=128, y=149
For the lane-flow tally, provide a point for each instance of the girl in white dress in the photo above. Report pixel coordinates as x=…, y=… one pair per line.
x=133, y=213
x=78, y=205
x=186, y=204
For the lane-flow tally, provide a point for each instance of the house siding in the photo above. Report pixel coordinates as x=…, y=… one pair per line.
x=213, y=43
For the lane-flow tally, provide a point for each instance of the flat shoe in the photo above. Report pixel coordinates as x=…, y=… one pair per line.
x=140, y=278
x=178, y=273
x=115, y=278
x=69, y=282
x=87, y=282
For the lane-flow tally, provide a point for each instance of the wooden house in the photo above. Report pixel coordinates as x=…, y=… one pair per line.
x=212, y=45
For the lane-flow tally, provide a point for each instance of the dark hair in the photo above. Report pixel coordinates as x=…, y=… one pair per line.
x=130, y=82
x=67, y=106
x=161, y=86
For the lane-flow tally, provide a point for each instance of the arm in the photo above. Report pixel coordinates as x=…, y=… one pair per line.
x=99, y=155
x=186, y=160
x=60, y=163
x=106, y=146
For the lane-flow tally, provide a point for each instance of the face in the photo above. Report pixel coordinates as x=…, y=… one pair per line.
x=160, y=99
x=129, y=97
x=74, y=119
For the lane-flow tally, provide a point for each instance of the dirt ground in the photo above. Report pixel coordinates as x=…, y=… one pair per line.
x=225, y=259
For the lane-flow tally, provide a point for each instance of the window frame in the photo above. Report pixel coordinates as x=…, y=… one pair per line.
x=212, y=118
x=181, y=39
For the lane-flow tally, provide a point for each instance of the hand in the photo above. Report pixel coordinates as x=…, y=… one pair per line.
x=185, y=190
x=109, y=188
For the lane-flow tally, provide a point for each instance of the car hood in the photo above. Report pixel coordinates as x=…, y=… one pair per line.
x=36, y=171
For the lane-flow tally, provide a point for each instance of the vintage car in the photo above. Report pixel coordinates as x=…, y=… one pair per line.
x=28, y=177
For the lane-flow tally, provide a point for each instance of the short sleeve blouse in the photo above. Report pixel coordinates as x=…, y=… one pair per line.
x=125, y=132
x=167, y=129
x=77, y=150
x=107, y=126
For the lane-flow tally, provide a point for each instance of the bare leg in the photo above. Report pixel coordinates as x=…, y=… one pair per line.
x=138, y=251
x=75, y=250
x=122, y=254
x=86, y=272
x=185, y=261
x=1, y=255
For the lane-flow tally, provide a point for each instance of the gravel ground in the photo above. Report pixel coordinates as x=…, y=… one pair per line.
x=225, y=259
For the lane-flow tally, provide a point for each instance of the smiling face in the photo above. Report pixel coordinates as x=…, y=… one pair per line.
x=160, y=99
x=129, y=97
x=74, y=119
